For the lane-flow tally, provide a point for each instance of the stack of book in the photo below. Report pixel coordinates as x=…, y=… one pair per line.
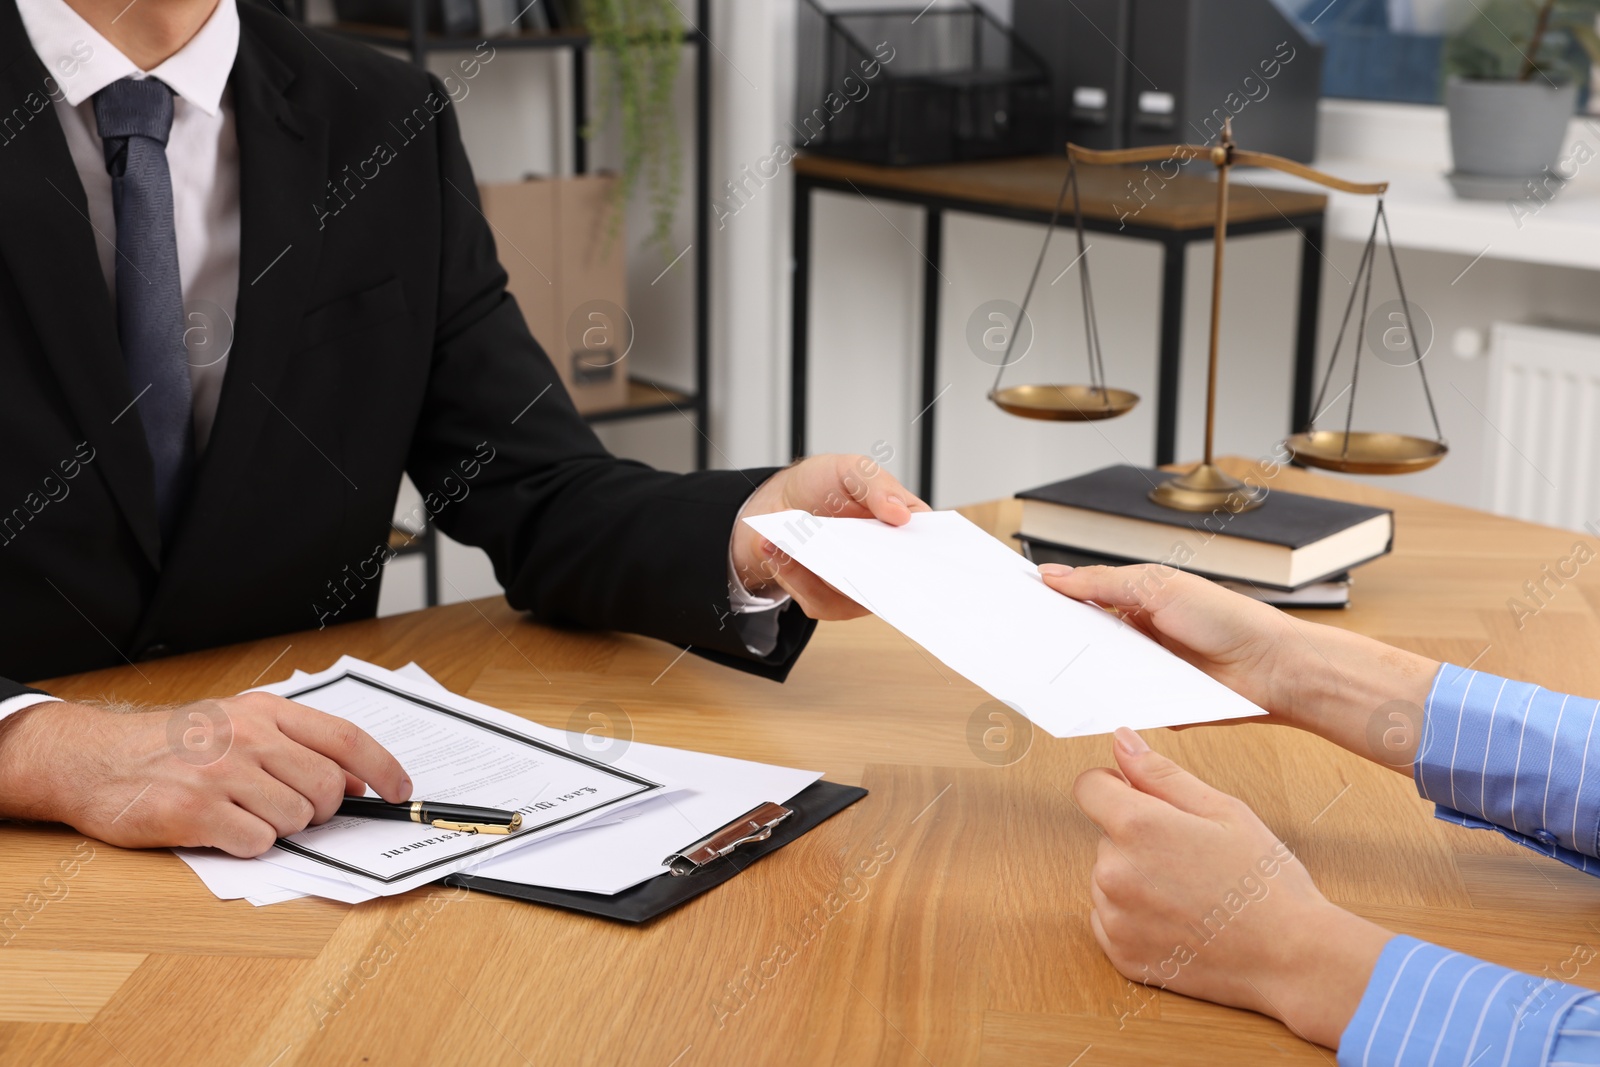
x=1293, y=551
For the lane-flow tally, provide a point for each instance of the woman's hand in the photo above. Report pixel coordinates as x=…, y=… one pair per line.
x=1192, y=892
x=1361, y=694
x=1246, y=645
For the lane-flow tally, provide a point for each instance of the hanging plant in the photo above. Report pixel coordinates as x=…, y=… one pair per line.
x=642, y=41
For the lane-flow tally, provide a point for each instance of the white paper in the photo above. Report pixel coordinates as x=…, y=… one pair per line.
x=628, y=849
x=278, y=897
x=469, y=753
x=606, y=854
x=983, y=610
x=231, y=878
x=414, y=671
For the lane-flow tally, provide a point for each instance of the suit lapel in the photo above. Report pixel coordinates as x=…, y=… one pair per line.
x=48, y=245
x=282, y=165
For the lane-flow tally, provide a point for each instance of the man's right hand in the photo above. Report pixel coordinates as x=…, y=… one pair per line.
x=235, y=774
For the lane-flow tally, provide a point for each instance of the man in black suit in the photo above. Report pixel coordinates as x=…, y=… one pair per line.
x=161, y=492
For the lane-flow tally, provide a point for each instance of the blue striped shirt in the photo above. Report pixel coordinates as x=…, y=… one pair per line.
x=1507, y=756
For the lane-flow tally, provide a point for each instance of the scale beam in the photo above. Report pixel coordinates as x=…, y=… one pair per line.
x=1207, y=488
x=1243, y=158
x=1223, y=155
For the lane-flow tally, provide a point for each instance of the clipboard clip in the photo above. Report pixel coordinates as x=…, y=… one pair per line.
x=754, y=825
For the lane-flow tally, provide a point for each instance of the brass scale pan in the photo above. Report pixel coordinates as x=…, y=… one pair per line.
x=1365, y=451
x=1352, y=452
x=1369, y=452
x=1063, y=403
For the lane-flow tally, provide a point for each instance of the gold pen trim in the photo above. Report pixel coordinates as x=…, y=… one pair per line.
x=416, y=811
x=479, y=827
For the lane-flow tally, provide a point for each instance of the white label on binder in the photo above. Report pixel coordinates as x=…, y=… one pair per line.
x=1154, y=103
x=1089, y=97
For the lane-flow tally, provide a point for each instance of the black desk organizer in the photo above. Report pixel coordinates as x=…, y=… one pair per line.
x=902, y=87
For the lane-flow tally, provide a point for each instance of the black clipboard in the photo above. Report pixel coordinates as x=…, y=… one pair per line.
x=811, y=807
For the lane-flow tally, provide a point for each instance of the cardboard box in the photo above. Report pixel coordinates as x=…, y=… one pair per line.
x=569, y=278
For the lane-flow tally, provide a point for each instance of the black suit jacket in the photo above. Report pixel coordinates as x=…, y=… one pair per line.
x=376, y=340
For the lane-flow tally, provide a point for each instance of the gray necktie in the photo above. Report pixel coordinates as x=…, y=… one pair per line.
x=134, y=118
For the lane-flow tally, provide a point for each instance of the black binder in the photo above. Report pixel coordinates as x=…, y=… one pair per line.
x=811, y=807
x=1083, y=43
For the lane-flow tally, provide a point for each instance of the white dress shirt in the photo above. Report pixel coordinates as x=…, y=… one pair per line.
x=203, y=156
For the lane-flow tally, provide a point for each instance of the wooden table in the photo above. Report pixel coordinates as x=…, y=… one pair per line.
x=968, y=944
x=1139, y=202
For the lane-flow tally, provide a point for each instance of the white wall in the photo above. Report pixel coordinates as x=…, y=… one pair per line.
x=517, y=120
x=1458, y=294
x=866, y=303
x=1492, y=291
x=866, y=315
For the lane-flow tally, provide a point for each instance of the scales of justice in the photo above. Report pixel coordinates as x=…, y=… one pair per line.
x=1207, y=487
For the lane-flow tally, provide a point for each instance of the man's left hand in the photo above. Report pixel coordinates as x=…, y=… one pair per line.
x=851, y=487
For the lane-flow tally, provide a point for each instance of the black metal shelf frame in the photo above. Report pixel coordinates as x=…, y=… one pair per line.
x=1173, y=243
x=418, y=43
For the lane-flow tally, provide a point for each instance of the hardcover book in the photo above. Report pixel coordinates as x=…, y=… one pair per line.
x=1290, y=541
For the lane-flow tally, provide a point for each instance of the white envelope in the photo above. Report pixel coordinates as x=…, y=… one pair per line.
x=983, y=610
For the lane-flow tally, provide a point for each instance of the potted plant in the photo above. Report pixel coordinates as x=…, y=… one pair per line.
x=642, y=42
x=1513, y=72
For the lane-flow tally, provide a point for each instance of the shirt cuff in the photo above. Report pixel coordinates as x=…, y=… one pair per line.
x=1513, y=757
x=12, y=705
x=1427, y=1005
x=754, y=617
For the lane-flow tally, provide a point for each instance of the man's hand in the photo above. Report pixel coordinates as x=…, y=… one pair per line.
x=234, y=774
x=853, y=487
x=1191, y=892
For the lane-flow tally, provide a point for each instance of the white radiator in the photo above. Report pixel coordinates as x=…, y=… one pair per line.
x=1543, y=463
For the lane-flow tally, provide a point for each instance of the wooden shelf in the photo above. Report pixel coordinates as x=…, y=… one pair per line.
x=1186, y=201
x=646, y=398
x=1563, y=231
x=404, y=544
x=400, y=37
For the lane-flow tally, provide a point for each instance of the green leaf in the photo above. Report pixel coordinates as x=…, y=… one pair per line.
x=642, y=43
x=1499, y=43
x=1589, y=40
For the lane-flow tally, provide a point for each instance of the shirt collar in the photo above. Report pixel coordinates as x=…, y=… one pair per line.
x=82, y=62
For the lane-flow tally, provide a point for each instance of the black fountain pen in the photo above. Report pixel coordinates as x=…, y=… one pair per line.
x=462, y=817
